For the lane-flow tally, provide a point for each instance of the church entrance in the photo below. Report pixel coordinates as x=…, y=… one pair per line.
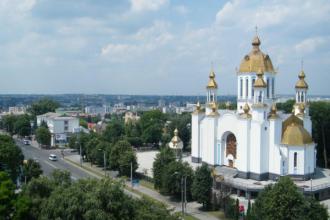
x=230, y=149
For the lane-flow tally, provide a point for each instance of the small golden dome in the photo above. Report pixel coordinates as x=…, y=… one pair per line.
x=212, y=83
x=301, y=108
x=296, y=135
x=256, y=60
x=246, y=109
x=301, y=84
x=273, y=112
x=214, y=108
x=198, y=108
x=176, y=142
x=260, y=82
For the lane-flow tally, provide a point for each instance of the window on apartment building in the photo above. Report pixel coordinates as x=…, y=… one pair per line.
x=66, y=122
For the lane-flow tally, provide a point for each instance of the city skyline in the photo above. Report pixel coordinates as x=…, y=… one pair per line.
x=159, y=47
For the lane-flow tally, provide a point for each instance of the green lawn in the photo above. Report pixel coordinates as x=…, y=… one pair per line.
x=218, y=214
x=147, y=184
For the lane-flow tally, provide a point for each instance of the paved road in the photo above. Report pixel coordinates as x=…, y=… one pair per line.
x=47, y=165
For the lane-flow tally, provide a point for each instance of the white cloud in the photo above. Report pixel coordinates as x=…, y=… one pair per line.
x=309, y=45
x=181, y=9
x=142, y=42
x=147, y=5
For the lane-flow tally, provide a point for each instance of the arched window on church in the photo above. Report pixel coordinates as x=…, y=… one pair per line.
x=295, y=160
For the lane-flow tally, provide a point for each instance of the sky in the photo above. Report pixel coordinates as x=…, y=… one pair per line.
x=157, y=47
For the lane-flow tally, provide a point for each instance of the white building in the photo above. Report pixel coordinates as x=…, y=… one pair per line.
x=256, y=140
x=60, y=127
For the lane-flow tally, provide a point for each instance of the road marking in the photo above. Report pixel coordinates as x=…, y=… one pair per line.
x=52, y=165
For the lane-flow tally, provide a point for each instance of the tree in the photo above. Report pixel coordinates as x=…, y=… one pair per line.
x=11, y=156
x=83, y=123
x=172, y=177
x=114, y=131
x=163, y=158
x=314, y=210
x=7, y=195
x=116, y=150
x=248, y=212
x=31, y=169
x=152, y=134
x=22, y=126
x=282, y=201
x=92, y=150
x=43, y=136
x=287, y=106
x=43, y=106
x=125, y=160
x=8, y=122
x=202, y=185
x=320, y=115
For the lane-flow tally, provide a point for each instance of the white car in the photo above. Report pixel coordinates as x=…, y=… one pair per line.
x=52, y=157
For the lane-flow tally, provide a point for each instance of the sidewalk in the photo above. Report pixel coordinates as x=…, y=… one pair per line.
x=192, y=207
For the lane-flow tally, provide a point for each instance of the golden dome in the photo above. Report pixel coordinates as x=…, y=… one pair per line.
x=256, y=60
x=212, y=83
x=301, y=84
x=296, y=135
x=273, y=112
x=260, y=82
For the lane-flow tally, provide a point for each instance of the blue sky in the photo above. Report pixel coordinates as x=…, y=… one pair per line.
x=158, y=46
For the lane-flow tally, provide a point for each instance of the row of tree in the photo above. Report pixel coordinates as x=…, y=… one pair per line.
x=57, y=197
x=168, y=172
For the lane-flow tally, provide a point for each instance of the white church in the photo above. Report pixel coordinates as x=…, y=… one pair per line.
x=258, y=141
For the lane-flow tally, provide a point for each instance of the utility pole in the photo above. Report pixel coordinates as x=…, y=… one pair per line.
x=104, y=163
x=185, y=193
x=132, y=174
x=182, y=195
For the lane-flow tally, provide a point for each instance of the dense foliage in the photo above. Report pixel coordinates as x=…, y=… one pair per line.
x=43, y=136
x=17, y=124
x=11, y=157
x=163, y=158
x=43, y=106
x=283, y=201
x=59, y=198
x=202, y=185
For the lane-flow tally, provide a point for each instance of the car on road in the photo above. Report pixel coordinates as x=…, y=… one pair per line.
x=26, y=142
x=52, y=157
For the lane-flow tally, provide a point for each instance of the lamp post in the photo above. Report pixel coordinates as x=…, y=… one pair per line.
x=104, y=162
x=183, y=192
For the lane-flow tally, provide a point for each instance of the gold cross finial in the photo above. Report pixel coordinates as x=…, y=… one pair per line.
x=256, y=27
x=302, y=63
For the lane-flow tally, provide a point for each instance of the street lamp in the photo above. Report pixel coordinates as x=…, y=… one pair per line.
x=183, y=191
x=104, y=162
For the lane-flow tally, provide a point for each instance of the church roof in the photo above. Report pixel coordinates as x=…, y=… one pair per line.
x=256, y=60
x=176, y=142
x=301, y=84
x=294, y=133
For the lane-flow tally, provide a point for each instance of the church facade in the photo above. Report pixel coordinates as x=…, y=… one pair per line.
x=258, y=141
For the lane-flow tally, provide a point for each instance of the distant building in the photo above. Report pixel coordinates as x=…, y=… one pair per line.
x=60, y=127
x=97, y=110
x=17, y=110
x=131, y=117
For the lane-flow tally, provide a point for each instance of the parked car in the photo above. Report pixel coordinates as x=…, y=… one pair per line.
x=52, y=157
x=26, y=142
